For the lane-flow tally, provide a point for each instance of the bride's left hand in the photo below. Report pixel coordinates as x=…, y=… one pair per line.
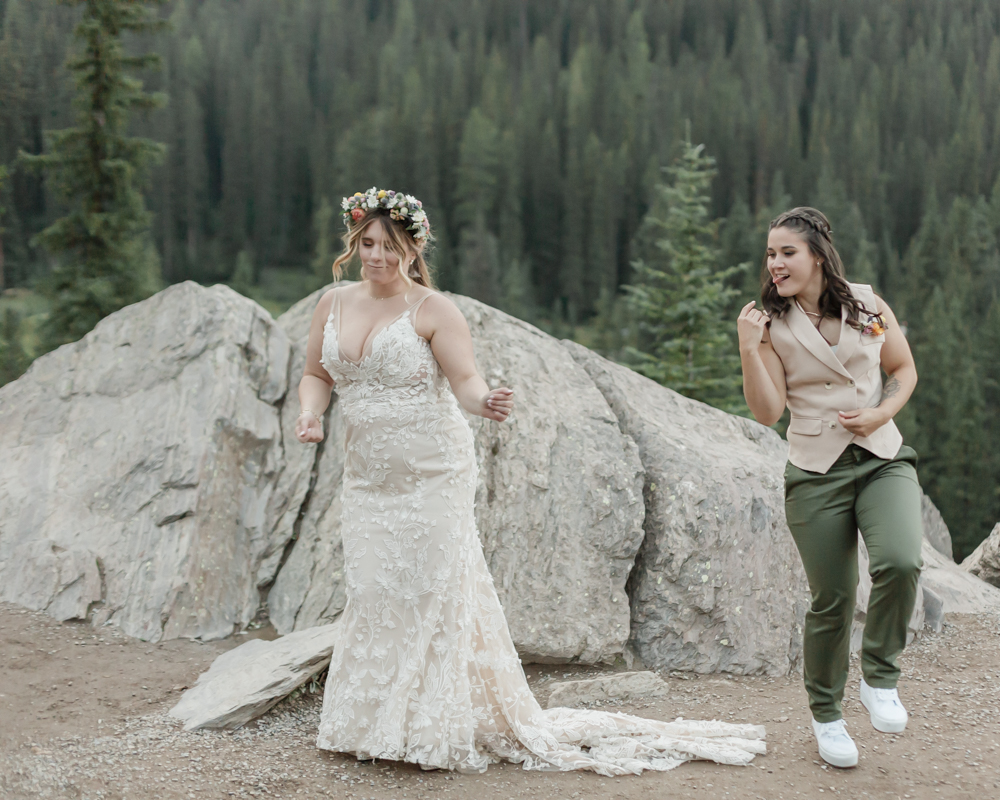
x=498, y=404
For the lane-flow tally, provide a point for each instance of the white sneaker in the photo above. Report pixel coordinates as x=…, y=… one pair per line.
x=887, y=713
x=836, y=747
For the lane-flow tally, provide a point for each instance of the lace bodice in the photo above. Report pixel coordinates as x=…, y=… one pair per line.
x=396, y=377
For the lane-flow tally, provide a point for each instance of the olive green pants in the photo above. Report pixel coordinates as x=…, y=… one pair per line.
x=881, y=499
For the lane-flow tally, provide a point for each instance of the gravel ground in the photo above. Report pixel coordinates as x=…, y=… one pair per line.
x=83, y=715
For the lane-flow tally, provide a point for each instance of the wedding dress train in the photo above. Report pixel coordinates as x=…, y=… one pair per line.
x=424, y=669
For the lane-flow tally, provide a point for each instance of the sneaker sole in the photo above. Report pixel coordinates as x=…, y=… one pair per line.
x=841, y=762
x=884, y=726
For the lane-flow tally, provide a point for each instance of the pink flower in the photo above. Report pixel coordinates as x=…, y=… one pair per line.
x=357, y=214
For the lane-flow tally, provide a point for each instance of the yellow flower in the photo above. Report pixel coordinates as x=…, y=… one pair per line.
x=381, y=194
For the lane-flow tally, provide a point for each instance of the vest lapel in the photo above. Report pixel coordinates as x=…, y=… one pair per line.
x=849, y=338
x=810, y=338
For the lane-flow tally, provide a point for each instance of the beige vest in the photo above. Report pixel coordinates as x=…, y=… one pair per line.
x=820, y=383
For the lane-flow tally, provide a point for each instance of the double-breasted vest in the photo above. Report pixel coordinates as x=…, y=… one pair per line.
x=821, y=382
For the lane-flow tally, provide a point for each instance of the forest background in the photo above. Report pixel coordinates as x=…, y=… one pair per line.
x=537, y=133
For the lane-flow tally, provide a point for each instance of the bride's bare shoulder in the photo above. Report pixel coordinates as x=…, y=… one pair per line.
x=439, y=312
x=325, y=303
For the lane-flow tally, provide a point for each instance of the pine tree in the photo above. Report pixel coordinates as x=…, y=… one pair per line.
x=324, y=218
x=242, y=279
x=104, y=258
x=680, y=295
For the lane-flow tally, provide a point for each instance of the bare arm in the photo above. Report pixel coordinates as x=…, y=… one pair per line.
x=442, y=324
x=763, y=372
x=316, y=383
x=901, y=379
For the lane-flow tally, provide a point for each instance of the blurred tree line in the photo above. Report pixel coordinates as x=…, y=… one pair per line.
x=536, y=135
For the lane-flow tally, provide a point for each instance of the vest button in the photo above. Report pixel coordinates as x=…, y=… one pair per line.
x=850, y=383
x=833, y=424
x=828, y=385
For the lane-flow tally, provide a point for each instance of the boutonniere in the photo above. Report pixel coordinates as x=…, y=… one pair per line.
x=875, y=326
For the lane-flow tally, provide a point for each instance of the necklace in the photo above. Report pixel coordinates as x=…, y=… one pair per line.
x=816, y=325
x=387, y=297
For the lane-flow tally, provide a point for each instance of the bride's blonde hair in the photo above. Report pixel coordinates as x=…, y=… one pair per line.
x=399, y=241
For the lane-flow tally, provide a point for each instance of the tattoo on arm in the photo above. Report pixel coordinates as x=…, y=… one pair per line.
x=890, y=389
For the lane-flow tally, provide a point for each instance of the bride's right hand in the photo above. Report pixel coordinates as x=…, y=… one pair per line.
x=308, y=428
x=498, y=404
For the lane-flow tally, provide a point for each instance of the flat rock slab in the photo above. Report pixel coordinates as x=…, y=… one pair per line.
x=623, y=686
x=984, y=562
x=247, y=681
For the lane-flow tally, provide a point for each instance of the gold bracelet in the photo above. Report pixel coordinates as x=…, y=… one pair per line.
x=310, y=411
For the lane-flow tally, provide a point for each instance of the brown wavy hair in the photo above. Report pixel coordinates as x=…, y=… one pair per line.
x=399, y=241
x=814, y=228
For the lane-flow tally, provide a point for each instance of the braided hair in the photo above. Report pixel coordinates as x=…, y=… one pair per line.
x=815, y=228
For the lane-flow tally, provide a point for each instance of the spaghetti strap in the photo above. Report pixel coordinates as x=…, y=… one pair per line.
x=416, y=306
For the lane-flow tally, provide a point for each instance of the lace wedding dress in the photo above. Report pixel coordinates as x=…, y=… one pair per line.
x=424, y=669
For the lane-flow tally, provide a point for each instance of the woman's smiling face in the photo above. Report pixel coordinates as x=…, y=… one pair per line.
x=790, y=262
x=380, y=262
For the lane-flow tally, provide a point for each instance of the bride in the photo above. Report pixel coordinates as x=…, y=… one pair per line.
x=424, y=669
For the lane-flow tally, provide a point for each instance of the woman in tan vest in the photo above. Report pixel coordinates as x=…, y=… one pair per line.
x=820, y=346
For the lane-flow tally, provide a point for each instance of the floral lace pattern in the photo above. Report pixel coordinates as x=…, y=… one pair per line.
x=424, y=669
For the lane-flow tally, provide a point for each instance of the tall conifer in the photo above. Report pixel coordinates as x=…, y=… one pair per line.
x=103, y=257
x=680, y=295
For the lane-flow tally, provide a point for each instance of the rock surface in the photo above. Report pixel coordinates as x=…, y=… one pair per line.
x=245, y=682
x=717, y=585
x=935, y=529
x=960, y=592
x=139, y=465
x=559, y=506
x=621, y=686
x=309, y=588
x=984, y=561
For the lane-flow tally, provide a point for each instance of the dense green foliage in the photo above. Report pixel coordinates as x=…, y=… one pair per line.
x=103, y=259
x=535, y=133
x=679, y=296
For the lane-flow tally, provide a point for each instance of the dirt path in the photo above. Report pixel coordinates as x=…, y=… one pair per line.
x=83, y=715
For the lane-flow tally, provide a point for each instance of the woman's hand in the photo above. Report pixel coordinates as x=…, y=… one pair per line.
x=498, y=404
x=750, y=326
x=863, y=421
x=309, y=428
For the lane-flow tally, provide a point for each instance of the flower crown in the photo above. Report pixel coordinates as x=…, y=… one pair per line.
x=403, y=208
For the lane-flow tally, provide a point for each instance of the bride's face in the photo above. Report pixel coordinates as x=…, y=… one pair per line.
x=381, y=265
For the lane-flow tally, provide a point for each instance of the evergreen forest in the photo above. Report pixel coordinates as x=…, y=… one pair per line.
x=547, y=141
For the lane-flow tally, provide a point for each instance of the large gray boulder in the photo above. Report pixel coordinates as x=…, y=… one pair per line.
x=559, y=506
x=717, y=584
x=139, y=465
x=984, y=561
